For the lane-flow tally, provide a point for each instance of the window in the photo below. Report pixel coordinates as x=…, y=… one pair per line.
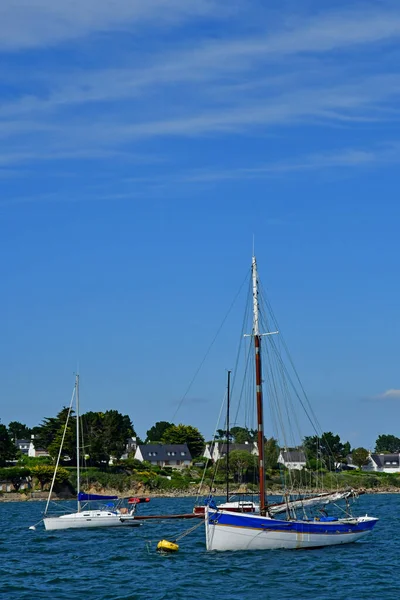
x=183, y=453
x=169, y=453
x=173, y=453
x=178, y=462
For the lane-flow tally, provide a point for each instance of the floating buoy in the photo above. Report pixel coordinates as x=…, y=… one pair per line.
x=166, y=546
x=32, y=527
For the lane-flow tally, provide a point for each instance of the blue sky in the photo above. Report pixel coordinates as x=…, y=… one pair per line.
x=142, y=146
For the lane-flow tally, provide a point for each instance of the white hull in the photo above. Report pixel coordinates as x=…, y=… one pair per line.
x=91, y=518
x=227, y=537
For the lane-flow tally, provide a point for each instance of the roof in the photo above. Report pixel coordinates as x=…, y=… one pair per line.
x=19, y=442
x=386, y=460
x=153, y=452
x=293, y=456
x=246, y=447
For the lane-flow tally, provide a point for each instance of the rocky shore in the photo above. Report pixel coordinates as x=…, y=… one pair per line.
x=192, y=492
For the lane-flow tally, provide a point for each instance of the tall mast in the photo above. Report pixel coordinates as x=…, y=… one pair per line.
x=259, y=394
x=228, y=400
x=78, y=467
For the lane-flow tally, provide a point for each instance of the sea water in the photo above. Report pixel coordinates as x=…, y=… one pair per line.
x=122, y=564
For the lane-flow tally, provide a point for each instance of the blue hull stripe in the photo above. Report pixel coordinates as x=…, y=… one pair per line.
x=265, y=524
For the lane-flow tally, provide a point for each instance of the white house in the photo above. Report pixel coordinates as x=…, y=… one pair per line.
x=36, y=452
x=218, y=450
x=23, y=446
x=292, y=459
x=130, y=447
x=383, y=463
x=176, y=456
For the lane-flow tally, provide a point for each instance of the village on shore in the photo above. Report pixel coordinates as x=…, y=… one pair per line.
x=193, y=467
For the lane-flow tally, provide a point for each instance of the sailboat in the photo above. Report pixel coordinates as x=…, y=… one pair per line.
x=117, y=512
x=227, y=530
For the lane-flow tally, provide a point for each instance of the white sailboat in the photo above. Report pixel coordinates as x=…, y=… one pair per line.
x=227, y=530
x=117, y=512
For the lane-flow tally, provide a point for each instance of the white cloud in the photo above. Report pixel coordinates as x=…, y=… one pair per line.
x=198, y=87
x=391, y=394
x=39, y=23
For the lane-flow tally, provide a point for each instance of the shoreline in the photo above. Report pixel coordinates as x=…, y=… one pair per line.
x=37, y=496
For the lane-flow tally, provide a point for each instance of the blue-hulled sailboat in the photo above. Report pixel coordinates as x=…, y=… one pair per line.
x=226, y=530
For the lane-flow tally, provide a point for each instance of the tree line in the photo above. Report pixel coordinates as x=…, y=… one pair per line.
x=104, y=436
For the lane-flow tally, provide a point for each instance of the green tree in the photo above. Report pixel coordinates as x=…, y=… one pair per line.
x=155, y=433
x=185, y=434
x=271, y=453
x=94, y=447
x=8, y=450
x=16, y=475
x=18, y=431
x=44, y=474
x=328, y=448
x=387, y=444
x=69, y=443
x=105, y=435
x=117, y=429
x=240, y=462
x=241, y=435
x=52, y=428
x=360, y=457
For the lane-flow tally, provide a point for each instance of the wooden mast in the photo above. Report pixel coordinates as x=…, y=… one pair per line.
x=259, y=394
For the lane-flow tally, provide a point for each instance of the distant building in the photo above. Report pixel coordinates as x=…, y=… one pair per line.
x=23, y=446
x=36, y=452
x=383, y=463
x=176, y=456
x=131, y=445
x=292, y=459
x=218, y=450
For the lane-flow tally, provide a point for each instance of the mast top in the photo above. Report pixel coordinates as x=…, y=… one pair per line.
x=256, y=330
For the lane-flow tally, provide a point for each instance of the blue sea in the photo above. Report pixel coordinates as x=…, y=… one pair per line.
x=122, y=564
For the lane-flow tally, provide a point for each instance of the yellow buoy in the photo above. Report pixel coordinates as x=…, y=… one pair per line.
x=166, y=546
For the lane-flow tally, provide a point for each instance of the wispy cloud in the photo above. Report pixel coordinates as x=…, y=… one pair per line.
x=390, y=394
x=39, y=23
x=318, y=71
x=345, y=158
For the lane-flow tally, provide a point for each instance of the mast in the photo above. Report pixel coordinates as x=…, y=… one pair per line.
x=78, y=467
x=259, y=394
x=228, y=400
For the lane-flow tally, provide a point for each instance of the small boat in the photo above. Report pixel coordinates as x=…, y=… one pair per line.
x=227, y=530
x=93, y=510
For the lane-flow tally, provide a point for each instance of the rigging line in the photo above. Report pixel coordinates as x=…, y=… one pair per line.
x=60, y=450
x=185, y=533
x=248, y=360
x=269, y=306
x=279, y=358
x=212, y=446
x=210, y=346
x=241, y=343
